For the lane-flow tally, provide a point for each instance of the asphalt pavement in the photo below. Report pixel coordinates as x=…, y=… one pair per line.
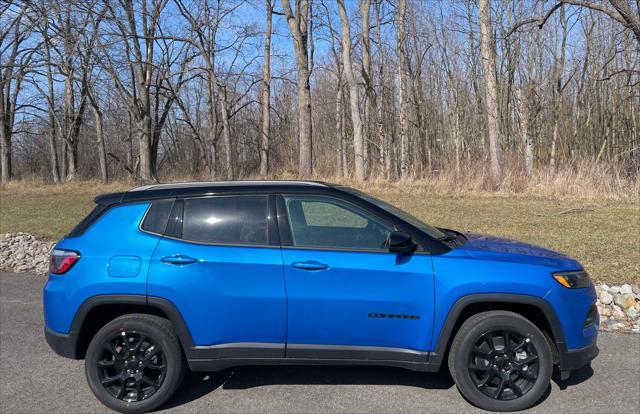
x=35, y=380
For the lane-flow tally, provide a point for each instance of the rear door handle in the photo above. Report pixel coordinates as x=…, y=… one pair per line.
x=310, y=265
x=178, y=259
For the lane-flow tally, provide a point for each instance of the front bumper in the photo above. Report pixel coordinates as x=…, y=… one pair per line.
x=573, y=359
x=62, y=344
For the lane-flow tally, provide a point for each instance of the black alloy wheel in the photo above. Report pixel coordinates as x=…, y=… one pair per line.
x=134, y=363
x=503, y=364
x=500, y=361
x=132, y=367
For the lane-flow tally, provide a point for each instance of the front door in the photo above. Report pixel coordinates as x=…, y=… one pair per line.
x=221, y=266
x=347, y=295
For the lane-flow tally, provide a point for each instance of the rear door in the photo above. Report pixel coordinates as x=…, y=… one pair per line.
x=347, y=295
x=220, y=264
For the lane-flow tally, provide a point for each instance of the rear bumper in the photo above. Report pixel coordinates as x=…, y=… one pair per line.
x=62, y=344
x=573, y=359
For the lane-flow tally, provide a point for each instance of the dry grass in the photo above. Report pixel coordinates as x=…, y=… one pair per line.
x=48, y=211
x=581, y=180
x=600, y=229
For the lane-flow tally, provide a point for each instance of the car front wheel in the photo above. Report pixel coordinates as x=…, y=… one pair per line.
x=134, y=363
x=500, y=361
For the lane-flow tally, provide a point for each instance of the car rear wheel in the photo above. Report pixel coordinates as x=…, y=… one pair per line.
x=134, y=363
x=500, y=361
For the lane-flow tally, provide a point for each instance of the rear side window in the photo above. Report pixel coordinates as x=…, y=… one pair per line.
x=227, y=219
x=156, y=219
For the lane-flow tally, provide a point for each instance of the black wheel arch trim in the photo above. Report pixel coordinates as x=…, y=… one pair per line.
x=67, y=345
x=453, y=316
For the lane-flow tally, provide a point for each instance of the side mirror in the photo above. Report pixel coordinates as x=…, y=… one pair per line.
x=400, y=242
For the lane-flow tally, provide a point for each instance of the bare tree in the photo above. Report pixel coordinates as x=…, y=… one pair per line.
x=14, y=64
x=369, y=109
x=402, y=80
x=487, y=46
x=384, y=153
x=298, y=22
x=90, y=83
x=178, y=88
x=139, y=45
x=266, y=93
x=43, y=24
x=352, y=83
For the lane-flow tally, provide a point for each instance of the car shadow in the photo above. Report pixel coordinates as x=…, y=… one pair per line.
x=577, y=377
x=198, y=384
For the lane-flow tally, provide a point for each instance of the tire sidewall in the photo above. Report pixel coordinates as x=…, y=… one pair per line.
x=172, y=354
x=521, y=326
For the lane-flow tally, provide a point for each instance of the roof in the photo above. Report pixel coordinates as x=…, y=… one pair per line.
x=198, y=188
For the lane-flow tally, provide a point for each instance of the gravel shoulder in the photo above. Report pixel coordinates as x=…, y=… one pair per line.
x=34, y=380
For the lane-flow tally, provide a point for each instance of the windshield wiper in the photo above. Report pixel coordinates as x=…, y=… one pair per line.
x=448, y=239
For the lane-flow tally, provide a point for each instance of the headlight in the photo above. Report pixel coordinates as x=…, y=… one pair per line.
x=573, y=280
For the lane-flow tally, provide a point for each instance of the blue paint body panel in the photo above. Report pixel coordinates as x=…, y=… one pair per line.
x=115, y=234
x=336, y=306
x=235, y=294
x=230, y=294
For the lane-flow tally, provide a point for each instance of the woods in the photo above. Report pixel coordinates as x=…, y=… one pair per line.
x=154, y=90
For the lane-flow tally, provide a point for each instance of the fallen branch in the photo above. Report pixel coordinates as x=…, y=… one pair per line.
x=568, y=211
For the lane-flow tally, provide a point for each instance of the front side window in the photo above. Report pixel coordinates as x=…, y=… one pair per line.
x=331, y=223
x=226, y=219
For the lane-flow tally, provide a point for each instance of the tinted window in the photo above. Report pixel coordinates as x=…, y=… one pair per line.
x=227, y=219
x=156, y=219
x=326, y=222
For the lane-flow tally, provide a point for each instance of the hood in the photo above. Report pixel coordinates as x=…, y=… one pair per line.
x=482, y=246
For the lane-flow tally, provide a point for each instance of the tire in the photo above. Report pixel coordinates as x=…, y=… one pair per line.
x=134, y=363
x=479, y=361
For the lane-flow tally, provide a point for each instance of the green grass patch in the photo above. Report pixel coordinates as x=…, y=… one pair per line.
x=604, y=235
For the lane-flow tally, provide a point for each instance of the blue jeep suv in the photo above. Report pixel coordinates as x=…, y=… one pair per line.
x=207, y=276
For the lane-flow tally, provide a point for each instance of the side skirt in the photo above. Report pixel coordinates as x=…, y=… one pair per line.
x=219, y=357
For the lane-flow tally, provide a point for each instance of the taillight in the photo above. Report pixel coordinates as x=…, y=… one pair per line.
x=62, y=260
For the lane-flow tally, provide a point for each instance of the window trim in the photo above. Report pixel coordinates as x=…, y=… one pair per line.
x=176, y=233
x=285, y=228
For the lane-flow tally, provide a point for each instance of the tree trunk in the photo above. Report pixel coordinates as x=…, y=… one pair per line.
x=487, y=48
x=299, y=33
x=102, y=153
x=226, y=135
x=5, y=152
x=342, y=168
x=5, y=144
x=369, y=109
x=384, y=158
x=524, y=115
x=400, y=46
x=266, y=93
x=53, y=151
x=356, y=120
x=69, y=115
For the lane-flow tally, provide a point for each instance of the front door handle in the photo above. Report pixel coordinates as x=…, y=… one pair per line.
x=310, y=265
x=178, y=259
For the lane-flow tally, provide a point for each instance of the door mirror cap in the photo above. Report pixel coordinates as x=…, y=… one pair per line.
x=401, y=242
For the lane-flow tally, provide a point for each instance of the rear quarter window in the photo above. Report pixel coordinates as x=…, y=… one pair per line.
x=155, y=221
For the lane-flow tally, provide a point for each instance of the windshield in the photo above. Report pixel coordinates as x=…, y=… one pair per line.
x=430, y=230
